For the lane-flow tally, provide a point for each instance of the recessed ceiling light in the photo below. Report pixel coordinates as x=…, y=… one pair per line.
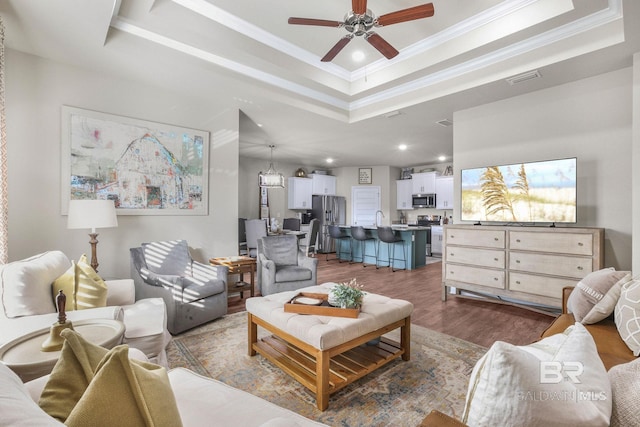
x=259, y=125
x=402, y=147
x=329, y=160
x=442, y=158
x=357, y=56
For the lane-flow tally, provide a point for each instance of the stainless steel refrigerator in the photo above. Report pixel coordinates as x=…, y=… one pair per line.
x=329, y=210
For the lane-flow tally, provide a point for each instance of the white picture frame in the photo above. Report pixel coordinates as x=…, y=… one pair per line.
x=147, y=168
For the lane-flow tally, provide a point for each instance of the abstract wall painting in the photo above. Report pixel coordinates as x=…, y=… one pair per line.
x=146, y=168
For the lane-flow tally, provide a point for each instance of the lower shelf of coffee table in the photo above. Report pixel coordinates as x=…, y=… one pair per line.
x=344, y=368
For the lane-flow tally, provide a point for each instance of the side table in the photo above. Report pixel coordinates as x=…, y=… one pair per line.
x=239, y=265
x=24, y=357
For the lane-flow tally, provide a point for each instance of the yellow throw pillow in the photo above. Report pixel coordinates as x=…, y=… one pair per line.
x=71, y=375
x=126, y=393
x=91, y=290
x=90, y=385
x=67, y=284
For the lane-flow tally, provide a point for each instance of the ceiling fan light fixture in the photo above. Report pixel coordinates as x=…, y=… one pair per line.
x=271, y=178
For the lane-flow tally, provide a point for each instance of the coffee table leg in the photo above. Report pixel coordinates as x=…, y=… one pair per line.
x=405, y=338
x=322, y=380
x=252, y=329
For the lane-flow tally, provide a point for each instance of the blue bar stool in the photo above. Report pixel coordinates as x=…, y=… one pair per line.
x=360, y=234
x=391, y=238
x=339, y=236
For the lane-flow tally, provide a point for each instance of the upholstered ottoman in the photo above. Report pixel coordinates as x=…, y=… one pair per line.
x=326, y=353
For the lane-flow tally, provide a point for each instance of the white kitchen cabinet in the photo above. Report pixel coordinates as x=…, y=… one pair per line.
x=529, y=264
x=444, y=192
x=404, y=192
x=324, y=184
x=423, y=183
x=299, y=193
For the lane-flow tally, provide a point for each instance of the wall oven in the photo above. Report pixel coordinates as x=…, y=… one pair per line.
x=424, y=200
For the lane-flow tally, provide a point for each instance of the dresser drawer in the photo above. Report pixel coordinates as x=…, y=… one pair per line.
x=474, y=275
x=565, y=243
x=539, y=285
x=476, y=256
x=480, y=238
x=557, y=265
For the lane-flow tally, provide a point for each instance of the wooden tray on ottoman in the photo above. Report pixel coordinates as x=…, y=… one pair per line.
x=323, y=309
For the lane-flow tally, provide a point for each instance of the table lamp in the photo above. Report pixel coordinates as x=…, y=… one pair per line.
x=92, y=214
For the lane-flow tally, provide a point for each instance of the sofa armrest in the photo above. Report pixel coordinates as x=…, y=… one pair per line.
x=566, y=291
x=120, y=292
x=437, y=418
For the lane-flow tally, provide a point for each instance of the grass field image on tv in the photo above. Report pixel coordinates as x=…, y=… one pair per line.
x=523, y=192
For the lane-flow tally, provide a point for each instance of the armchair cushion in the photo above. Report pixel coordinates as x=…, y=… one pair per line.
x=168, y=257
x=282, y=250
x=291, y=273
x=26, y=284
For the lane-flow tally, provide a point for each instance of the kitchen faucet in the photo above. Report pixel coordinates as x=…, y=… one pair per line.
x=381, y=213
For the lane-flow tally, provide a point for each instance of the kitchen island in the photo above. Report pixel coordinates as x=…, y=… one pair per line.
x=415, y=246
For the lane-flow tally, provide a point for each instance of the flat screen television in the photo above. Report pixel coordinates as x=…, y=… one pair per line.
x=532, y=192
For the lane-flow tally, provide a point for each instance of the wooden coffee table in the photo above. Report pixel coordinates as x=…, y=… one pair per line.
x=238, y=265
x=24, y=357
x=325, y=369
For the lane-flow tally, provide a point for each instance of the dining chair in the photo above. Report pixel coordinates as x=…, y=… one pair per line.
x=256, y=229
x=292, y=224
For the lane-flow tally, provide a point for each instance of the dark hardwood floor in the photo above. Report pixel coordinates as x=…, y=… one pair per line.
x=480, y=322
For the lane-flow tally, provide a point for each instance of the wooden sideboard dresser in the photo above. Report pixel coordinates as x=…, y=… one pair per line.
x=527, y=264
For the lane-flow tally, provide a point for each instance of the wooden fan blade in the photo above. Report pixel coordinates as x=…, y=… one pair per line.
x=337, y=48
x=318, y=22
x=359, y=7
x=404, y=15
x=381, y=44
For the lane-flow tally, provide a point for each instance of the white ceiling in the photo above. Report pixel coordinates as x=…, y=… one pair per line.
x=243, y=54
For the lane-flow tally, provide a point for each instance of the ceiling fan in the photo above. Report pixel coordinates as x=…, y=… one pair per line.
x=359, y=22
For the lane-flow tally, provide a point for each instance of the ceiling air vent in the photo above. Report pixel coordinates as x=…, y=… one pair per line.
x=445, y=122
x=523, y=77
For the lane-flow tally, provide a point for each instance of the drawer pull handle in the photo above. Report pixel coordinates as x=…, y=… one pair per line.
x=495, y=238
x=518, y=282
x=580, y=268
x=518, y=240
x=495, y=278
x=450, y=254
x=517, y=261
x=495, y=259
x=580, y=244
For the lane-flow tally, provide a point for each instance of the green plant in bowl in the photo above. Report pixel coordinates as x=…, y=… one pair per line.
x=346, y=295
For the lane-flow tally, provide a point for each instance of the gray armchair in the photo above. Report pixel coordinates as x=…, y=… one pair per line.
x=194, y=293
x=282, y=266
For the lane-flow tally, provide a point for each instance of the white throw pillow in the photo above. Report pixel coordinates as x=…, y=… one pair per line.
x=627, y=315
x=591, y=290
x=559, y=380
x=625, y=389
x=16, y=405
x=26, y=284
x=607, y=304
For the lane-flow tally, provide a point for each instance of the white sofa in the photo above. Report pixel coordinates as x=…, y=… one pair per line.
x=28, y=305
x=201, y=401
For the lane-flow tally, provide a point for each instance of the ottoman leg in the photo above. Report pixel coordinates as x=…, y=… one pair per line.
x=405, y=338
x=252, y=329
x=322, y=380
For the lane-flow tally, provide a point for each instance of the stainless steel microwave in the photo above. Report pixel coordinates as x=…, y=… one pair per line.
x=424, y=200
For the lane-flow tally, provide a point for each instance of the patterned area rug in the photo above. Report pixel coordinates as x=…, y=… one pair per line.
x=398, y=394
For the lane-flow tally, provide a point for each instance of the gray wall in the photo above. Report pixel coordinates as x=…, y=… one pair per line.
x=35, y=90
x=590, y=119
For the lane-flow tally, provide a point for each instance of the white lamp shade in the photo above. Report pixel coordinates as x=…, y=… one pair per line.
x=92, y=214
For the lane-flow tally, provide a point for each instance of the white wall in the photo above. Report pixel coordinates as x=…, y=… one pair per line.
x=636, y=161
x=590, y=119
x=35, y=90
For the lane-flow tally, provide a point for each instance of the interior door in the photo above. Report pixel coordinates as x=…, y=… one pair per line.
x=365, y=201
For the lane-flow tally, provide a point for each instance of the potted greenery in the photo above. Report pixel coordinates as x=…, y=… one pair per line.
x=346, y=295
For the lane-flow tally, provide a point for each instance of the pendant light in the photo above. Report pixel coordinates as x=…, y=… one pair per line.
x=271, y=178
